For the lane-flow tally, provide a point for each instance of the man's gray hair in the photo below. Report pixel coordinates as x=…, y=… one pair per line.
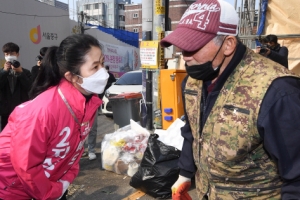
x=219, y=39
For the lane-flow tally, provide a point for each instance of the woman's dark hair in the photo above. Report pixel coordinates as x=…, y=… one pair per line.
x=43, y=51
x=69, y=56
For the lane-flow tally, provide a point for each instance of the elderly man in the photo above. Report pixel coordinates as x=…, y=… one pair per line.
x=241, y=138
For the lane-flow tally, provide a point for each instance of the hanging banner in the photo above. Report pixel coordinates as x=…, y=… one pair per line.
x=120, y=59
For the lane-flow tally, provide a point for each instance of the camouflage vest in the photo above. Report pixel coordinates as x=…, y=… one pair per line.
x=229, y=154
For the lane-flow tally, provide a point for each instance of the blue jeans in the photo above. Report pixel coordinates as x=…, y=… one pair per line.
x=93, y=135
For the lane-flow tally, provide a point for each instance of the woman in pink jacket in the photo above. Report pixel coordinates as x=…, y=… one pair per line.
x=41, y=145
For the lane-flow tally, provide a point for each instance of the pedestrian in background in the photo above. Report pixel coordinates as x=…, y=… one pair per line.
x=92, y=139
x=241, y=137
x=110, y=81
x=35, y=69
x=274, y=51
x=15, y=82
x=43, y=141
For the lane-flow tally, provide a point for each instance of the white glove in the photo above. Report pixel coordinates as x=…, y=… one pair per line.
x=180, y=188
x=65, y=187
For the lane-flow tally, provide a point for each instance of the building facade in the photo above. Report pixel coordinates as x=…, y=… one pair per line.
x=55, y=3
x=133, y=15
x=133, y=18
x=106, y=13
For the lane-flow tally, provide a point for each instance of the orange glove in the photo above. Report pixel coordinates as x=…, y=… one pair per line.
x=180, y=189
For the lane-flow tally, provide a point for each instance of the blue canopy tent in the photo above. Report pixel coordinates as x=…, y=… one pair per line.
x=128, y=37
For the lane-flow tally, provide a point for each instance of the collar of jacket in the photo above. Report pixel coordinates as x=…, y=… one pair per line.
x=236, y=59
x=276, y=48
x=76, y=100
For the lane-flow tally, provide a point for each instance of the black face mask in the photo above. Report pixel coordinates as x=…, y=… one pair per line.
x=205, y=71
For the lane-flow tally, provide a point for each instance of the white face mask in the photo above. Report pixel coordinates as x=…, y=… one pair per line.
x=96, y=82
x=10, y=58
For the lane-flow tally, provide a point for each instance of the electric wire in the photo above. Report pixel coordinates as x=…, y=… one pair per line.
x=10, y=13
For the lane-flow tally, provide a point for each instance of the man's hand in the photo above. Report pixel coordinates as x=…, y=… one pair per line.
x=257, y=49
x=180, y=189
x=16, y=66
x=268, y=52
x=7, y=66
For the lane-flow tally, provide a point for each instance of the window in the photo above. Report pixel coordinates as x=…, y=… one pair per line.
x=136, y=30
x=121, y=6
x=121, y=18
x=110, y=17
x=110, y=5
x=87, y=7
x=96, y=6
x=135, y=15
x=134, y=78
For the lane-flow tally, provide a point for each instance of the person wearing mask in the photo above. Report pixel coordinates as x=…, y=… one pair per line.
x=35, y=69
x=241, y=137
x=110, y=81
x=274, y=51
x=15, y=82
x=43, y=141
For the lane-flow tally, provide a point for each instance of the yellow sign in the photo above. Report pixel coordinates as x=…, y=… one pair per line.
x=149, y=54
x=159, y=9
x=2, y=62
x=161, y=60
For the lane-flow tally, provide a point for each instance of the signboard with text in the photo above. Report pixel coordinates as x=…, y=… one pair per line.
x=149, y=54
x=120, y=59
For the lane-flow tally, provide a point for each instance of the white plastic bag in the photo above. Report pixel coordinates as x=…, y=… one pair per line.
x=123, y=150
x=172, y=136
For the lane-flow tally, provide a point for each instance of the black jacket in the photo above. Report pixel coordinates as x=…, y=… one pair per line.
x=280, y=55
x=10, y=96
x=34, y=72
x=110, y=81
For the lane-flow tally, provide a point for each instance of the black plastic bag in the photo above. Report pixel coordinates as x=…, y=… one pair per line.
x=158, y=170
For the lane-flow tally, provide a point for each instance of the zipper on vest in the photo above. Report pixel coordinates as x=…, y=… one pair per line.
x=248, y=178
x=257, y=190
x=237, y=109
x=191, y=92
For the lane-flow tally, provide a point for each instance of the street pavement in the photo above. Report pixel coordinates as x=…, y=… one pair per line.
x=94, y=183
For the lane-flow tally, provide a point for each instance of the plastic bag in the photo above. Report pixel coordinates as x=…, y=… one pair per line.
x=158, y=170
x=123, y=150
x=175, y=130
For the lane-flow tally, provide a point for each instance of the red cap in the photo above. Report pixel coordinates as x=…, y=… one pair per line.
x=201, y=22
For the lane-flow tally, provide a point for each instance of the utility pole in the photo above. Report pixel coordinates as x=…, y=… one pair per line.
x=81, y=22
x=147, y=18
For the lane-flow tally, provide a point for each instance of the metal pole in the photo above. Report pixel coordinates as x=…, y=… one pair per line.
x=81, y=22
x=242, y=17
x=167, y=28
x=149, y=122
x=235, y=2
x=147, y=19
x=259, y=13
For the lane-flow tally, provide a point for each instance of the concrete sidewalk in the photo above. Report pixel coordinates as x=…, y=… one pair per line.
x=94, y=183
